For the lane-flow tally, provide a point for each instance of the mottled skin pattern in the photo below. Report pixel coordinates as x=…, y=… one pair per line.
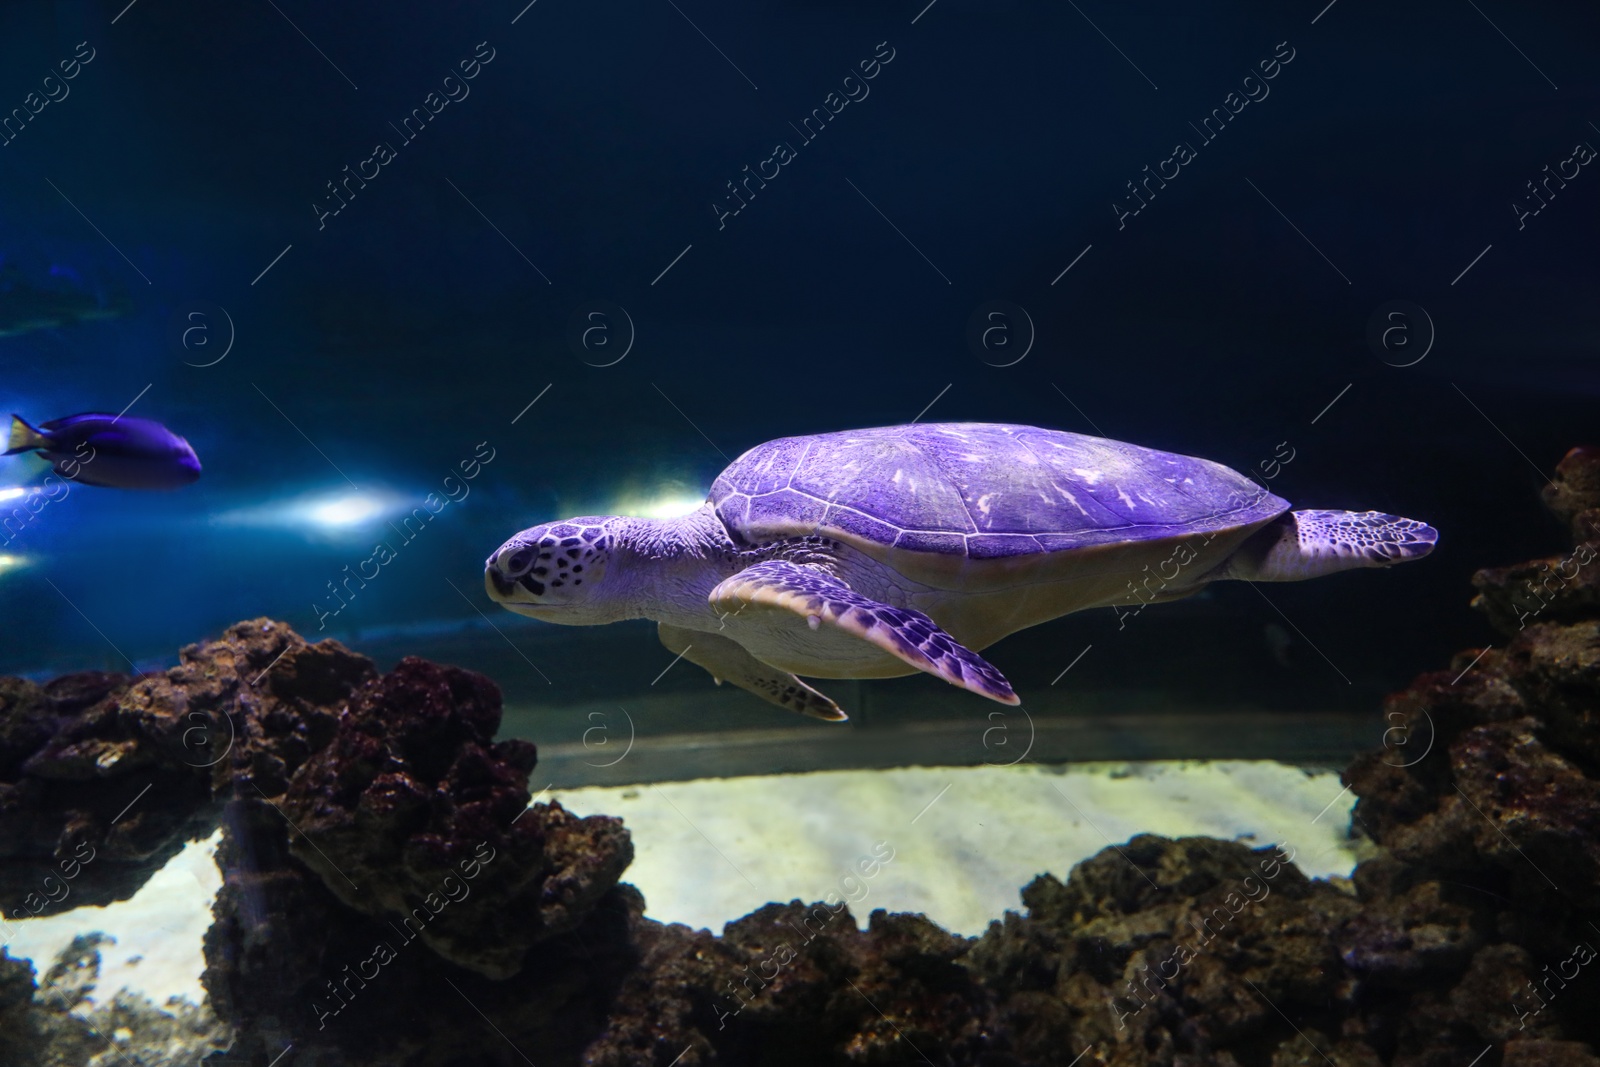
x=559, y=556
x=876, y=553
x=1309, y=544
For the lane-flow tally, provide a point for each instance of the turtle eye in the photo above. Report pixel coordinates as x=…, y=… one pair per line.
x=519, y=560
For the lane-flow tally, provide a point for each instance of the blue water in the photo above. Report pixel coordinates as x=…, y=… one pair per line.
x=343, y=250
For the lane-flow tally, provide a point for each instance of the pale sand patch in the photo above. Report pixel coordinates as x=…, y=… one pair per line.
x=964, y=840
x=710, y=851
x=158, y=930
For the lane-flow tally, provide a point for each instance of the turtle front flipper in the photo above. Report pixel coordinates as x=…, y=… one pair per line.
x=821, y=599
x=727, y=661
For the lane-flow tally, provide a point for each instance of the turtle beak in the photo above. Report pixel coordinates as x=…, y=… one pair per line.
x=502, y=571
x=514, y=594
x=498, y=586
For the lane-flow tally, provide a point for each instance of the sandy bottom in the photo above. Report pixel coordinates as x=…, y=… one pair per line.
x=955, y=843
x=158, y=931
x=964, y=840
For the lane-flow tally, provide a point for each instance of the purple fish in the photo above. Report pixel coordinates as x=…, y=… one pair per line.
x=118, y=452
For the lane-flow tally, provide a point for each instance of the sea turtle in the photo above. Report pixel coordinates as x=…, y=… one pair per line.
x=881, y=552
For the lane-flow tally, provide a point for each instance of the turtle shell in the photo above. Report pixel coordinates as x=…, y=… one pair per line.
x=981, y=491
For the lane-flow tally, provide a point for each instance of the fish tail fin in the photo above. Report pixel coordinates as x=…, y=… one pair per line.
x=24, y=438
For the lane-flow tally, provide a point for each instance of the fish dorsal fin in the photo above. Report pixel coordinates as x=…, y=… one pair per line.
x=73, y=420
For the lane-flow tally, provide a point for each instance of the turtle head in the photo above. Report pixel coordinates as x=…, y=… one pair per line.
x=555, y=571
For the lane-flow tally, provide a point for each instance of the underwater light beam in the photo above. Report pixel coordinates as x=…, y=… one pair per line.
x=345, y=511
x=668, y=507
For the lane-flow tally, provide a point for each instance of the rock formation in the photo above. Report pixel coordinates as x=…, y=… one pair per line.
x=391, y=899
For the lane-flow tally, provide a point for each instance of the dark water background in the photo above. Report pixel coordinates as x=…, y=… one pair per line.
x=373, y=352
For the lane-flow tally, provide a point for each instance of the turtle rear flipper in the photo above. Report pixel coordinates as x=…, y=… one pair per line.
x=776, y=587
x=727, y=661
x=1309, y=544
